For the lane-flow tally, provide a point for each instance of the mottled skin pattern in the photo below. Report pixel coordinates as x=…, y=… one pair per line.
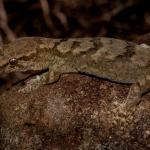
x=108, y=58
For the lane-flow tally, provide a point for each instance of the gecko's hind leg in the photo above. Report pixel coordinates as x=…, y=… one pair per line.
x=136, y=91
x=134, y=96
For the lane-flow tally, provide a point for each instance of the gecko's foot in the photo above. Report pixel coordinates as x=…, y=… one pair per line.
x=131, y=102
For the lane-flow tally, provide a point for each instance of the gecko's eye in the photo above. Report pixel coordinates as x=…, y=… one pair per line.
x=13, y=61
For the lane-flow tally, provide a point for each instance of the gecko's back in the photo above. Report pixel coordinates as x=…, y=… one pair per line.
x=113, y=59
x=108, y=58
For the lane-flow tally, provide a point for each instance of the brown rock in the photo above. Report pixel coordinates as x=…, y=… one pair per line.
x=78, y=112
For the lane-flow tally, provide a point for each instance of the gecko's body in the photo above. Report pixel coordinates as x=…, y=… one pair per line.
x=108, y=58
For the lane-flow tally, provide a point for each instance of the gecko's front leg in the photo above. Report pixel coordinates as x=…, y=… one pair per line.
x=137, y=90
x=50, y=77
x=42, y=79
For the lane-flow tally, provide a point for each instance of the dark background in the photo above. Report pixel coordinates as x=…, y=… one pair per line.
x=124, y=19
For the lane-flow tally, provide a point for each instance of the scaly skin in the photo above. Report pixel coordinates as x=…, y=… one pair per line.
x=108, y=58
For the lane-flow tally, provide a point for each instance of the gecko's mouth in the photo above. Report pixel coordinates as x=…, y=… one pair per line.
x=7, y=80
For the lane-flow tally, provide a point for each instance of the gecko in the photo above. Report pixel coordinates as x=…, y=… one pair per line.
x=108, y=58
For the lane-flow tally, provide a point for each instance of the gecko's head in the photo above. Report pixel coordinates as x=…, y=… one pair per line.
x=18, y=55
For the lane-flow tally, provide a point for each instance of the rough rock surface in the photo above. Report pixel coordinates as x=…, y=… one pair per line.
x=77, y=112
